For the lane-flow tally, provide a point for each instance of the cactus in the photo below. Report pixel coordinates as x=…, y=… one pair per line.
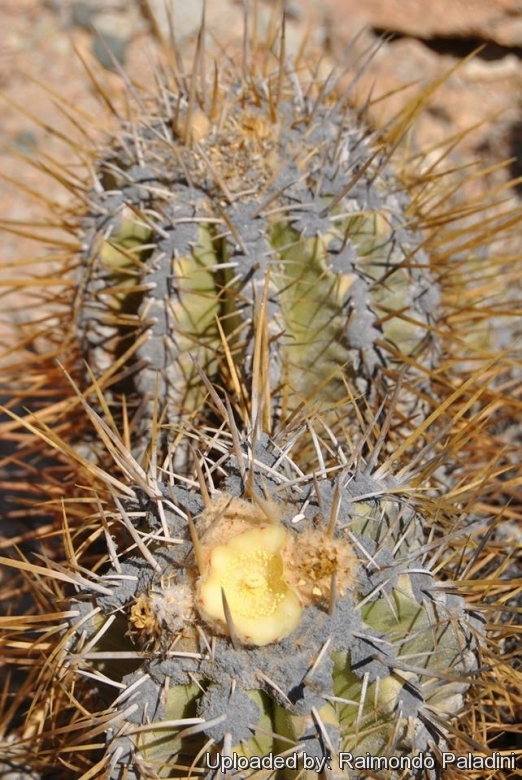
x=266, y=186
x=296, y=616
x=265, y=520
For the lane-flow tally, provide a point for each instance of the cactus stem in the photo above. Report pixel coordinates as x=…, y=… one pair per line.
x=320, y=657
x=264, y=327
x=358, y=174
x=273, y=685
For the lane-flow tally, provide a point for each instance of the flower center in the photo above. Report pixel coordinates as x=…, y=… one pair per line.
x=249, y=569
x=253, y=583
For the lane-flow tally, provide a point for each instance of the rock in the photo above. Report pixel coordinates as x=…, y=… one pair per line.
x=109, y=50
x=498, y=21
x=224, y=21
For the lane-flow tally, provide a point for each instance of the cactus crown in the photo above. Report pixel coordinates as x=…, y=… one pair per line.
x=294, y=613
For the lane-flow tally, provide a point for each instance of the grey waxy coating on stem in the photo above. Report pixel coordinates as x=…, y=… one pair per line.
x=191, y=234
x=392, y=637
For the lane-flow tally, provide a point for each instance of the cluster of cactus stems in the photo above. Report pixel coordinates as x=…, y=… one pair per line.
x=270, y=424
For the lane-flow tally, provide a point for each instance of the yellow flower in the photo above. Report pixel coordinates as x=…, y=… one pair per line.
x=250, y=570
